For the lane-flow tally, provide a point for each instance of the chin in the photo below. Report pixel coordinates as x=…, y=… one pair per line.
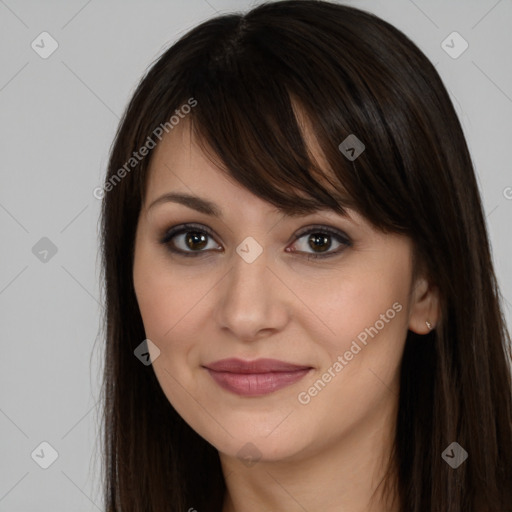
x=267, y=441
x=250, y=451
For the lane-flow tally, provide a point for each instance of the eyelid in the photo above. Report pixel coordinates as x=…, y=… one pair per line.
x=340, y=236
x=321, y=228
x=313, y=228
x=183, y=227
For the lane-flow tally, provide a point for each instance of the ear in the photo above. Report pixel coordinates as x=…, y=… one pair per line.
x=424, y=307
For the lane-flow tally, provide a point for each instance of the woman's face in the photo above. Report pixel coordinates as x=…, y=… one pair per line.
x=242, y=286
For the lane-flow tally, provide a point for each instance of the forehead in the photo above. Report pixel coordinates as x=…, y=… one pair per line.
x=180, y=162
x=187, y=157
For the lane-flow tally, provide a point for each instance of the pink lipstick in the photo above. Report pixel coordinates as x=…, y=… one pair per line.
x=255, y=378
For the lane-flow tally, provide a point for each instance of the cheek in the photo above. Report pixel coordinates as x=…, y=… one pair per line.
x=172, y=301
x=155, y=303
x=363, y=304
x=361, y=359
x=333, y=308
x=165, y=305
x=156, y=289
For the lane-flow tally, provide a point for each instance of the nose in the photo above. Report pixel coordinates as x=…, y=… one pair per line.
x=252, y=301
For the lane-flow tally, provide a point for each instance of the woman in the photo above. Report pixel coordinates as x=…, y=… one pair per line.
x=293, y=236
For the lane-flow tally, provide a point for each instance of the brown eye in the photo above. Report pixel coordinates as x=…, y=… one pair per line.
x=189, y=240
x=319, y=240
x=316, y=242
x=195, y=240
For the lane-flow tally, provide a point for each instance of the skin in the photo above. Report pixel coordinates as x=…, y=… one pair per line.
x=328, y=454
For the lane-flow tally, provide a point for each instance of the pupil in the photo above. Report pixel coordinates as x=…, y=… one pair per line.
x=318, y=240
x=199, y=241
x=195, y=237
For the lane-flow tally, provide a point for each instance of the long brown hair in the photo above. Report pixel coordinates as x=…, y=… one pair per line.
x=350, y=73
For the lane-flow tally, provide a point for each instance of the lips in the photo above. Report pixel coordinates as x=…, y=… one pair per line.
x=255, y=378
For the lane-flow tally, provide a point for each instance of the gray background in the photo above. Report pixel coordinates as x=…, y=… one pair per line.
x=58, y=118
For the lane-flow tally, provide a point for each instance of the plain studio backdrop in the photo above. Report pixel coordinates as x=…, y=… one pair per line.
x=67, y=72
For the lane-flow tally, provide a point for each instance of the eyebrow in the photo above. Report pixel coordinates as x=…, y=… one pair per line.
x=209, y=208
x=193, y=202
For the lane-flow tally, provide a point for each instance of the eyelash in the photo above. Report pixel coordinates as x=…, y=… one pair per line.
x=184, y=228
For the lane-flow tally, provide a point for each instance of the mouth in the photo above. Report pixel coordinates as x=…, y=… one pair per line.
x=255, y=378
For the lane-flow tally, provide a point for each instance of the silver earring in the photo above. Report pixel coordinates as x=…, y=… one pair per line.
x=429, y=325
